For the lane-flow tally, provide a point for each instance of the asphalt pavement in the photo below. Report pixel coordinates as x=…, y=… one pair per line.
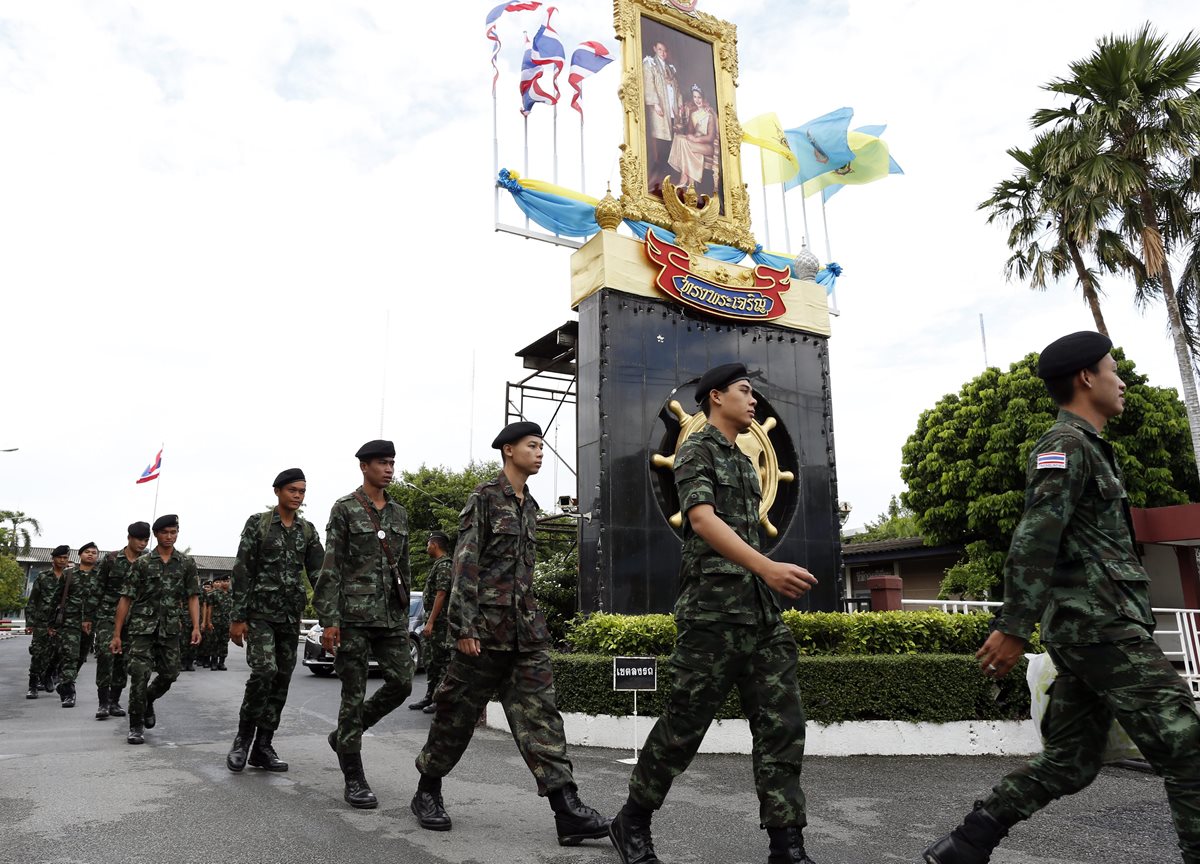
x=72, y=790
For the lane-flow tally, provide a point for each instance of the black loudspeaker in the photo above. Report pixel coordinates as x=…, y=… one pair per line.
x=636, y=357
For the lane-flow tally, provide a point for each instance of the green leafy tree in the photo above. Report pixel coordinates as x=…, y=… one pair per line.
x=19, y=532
x=1130, y=136
x=433, y=497
x=965, y=463
x=12, y=584
x=896, y=522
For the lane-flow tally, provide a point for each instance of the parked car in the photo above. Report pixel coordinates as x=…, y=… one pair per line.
x=320, y=662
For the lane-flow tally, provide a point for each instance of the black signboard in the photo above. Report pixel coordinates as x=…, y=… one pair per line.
x=635, y=673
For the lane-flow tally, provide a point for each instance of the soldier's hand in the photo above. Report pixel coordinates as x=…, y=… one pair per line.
x=331, y=638
x=195, y=635
x=790, y=580
x=87, y=628
x=427, y=630
x=51, y=631
x=470, y=647
x=237, y=632
x=1000, y=653
x=115, y=645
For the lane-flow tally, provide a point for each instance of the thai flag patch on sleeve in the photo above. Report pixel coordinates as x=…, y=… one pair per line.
x=1052, y=460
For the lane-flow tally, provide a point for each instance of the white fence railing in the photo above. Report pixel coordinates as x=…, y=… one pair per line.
x=1181, y=644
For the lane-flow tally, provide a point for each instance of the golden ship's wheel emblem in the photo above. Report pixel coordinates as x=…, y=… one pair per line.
x=755, y=443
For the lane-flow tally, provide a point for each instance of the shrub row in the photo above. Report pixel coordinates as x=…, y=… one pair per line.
x=816, y=633
x=935, y=688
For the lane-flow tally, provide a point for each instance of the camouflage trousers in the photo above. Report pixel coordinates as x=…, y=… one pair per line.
x=524, y=683
x=110, y=667
x=215, y=642
x=75, y=645
x=187, y=651
x=437, y=657
x=357, y=713
x=145, y=654
x=271, y=655
x=711, y=659
x=1134, y=683
x=41, y=652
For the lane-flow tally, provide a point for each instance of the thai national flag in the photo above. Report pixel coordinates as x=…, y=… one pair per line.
x=490, y=31
x=588, y=59
x=545, y=54
x=151, y=472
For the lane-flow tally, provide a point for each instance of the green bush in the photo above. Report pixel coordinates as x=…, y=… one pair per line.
x=556, y=588
x=816, y=633
x=935, y=688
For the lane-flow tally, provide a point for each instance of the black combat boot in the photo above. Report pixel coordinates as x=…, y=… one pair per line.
x=221, y=665
x=34, y=687
x=787, y=847
x=573, y=819
x=136, y=734
x=357, y=793
x=47, y=682
x=187, y=666
x=102, y=700
x=263, y=755
x=203, y=661
x=235, y=761
x=424, y=702
x=66, y=692
x=630, y=834
x=114, y=702
x=427, y=804
x=971, y=842
x=148, y=718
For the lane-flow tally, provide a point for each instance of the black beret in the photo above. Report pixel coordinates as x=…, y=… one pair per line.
x=1071, y=353
x=718, y=378
x=376, y=449
x=87, y=546
x=60, y=550
x=514, y=432
x=442, y=537
x=168, y=521
x=291, y=475
x=221, y=577
x=139, y=530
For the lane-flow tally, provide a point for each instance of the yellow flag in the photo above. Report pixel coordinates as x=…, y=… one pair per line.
x=779, y=163
x=870, y=163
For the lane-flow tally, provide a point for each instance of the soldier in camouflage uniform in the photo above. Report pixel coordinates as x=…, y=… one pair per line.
x=1074, y=564
x=502, y=647
x=187, y=651
x=207, y=636
x=361, y=600
x=102, y=607
x=217, y=612
x=72, y=620
x=155, y=588
x=278, y=551
x=436, y=633
x=39, y=610
x=86, y=572
x=731, y=634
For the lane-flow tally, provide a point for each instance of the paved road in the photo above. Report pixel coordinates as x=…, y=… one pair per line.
x=72, y=790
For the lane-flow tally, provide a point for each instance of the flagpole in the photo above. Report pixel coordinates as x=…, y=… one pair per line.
x=787, y=231
x=555, y=136
x=157, y=483
x=804, y=214
x=829, y=257
x=495, y=157
x=582, y=171
x=766, y=210
x=526, y=169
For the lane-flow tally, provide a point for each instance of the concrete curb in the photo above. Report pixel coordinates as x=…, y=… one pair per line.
x=861, y=738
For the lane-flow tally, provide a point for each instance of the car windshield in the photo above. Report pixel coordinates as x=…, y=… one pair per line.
x=414, y=606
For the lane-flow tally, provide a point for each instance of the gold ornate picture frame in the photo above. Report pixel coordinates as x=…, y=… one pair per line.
x=678, y=82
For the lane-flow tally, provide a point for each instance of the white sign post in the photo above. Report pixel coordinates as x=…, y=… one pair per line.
x=634, y=674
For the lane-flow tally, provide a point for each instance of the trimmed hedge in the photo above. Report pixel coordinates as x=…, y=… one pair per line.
x=935, y=688
x=816, y=633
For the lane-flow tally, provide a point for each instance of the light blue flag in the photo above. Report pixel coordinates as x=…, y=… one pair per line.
x=893, y=166
x=820, y=145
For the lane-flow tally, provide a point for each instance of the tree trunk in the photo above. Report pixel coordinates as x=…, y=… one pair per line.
x=1183, y=356
x=1087, y=286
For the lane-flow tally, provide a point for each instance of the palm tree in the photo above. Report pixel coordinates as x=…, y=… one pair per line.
x=1051, y=225
x=18, y=539
x=1130, y=135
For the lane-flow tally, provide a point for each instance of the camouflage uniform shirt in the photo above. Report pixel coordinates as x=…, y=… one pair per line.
x=439, y=579
x=711, y=470
x=157, y=591
x=356, y=587
x=268, y=577
x=110, y=575
x=42, y=600
x=492, y=598
x=1072, y=560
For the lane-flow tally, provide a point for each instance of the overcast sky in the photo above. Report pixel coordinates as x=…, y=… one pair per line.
x=243, y=230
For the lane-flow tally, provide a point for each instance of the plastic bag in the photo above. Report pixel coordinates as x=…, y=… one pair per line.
x=1041, y=674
